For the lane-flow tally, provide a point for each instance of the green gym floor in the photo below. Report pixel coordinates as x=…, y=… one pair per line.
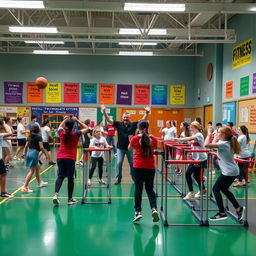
x=31, y=225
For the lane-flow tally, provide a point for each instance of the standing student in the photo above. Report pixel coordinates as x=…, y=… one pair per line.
x=46, y=135
x=144, y=169
x=3, y=171
x=21, y=133
x=227, y=146
x=243, y=140
x=97, y=142
x=124, y=129
x=197, y=139
x=110, y=129
x=66, y=156
x=170, y=130
x=31, y=156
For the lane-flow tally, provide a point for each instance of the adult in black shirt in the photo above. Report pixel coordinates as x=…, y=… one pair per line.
x=125, y=131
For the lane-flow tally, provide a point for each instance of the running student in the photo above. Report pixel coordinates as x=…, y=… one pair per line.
x=66, y=156
x=144, y=168
x=31, y=156
x=227, y=146
x=3, y=171
x=197, y=139
x=97, y=142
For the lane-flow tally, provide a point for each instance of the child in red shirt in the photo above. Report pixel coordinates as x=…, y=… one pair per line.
x=144, y=168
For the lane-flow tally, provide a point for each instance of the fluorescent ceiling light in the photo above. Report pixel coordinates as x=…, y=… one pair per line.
x=253, y=9
x=50, y=52
x=135, y=31
x=20, y=29
x=135, y=43
x=136, y=53
x=154, y=7
x=22, y=4
x=44, y=42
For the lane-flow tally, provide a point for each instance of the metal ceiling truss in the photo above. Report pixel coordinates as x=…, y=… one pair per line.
x=92, y=27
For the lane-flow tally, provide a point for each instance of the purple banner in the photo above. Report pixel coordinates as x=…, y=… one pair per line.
x=254, y=83
x=124, y=94
x=13, y=92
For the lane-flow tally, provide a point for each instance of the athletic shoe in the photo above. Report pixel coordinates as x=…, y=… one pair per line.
x=115, y=155
x=42, y=184
x=40, y=162
x=198, y=194
x=238, y=184
x=137, y=216
x=6, y=195
x=155, y=215
x=102, y=182
x=240, y=213
x=189, y=196
x=51, y=163
x=117, y=182
x=72, y=201
x=218, y=217
x=14, y=158
x=89, y=183
x=26, y=190
x=55, y=199
x=81, y=163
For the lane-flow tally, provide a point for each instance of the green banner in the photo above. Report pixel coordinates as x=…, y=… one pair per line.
x=244, y=86
x=111, y=112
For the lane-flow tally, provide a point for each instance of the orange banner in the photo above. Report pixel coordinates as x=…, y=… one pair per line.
x=34, y=95
x=141, y=94
x=229, y=89
x=107, y=92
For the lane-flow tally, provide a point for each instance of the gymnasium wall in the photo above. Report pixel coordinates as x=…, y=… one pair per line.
x=100, y=69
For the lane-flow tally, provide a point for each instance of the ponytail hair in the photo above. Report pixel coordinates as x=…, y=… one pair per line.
x=244, y=130
x=186, y=129
x=69, y=124
x=235, y=145
x=145, y=140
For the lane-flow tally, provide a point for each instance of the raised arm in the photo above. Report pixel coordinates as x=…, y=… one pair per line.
x=147, y=109
x=207, y=142
x=109, y=120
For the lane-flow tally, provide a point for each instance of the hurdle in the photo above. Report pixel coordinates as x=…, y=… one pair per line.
x=158, y=164
x=86, y=158
x=243, y=223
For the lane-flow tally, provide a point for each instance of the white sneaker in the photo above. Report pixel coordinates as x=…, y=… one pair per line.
x=55, y=200
x=14, y=158
x=42, y=184
x=137, y=216
x=155, y=215
x=189, y=196
x=72, y=201
x=198, y=194
x=26, y=190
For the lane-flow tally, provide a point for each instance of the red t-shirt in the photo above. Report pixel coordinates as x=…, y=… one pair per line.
x=110, y=129
x=139, y=160
x=68, y=151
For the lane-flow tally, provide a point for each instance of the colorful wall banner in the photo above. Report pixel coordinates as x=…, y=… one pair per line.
x=244, y=86
x=141, y=94
x=89, y=93
x=159, y=94
x=229, y=89
x=88, y=113
x=242, y=54
x=71, y=93
x=34, y=94
x=53, y=93
x=124, y=94
x=254, y=83
x=177, y=94
x=229, y=112
x=107, y=92
x=39, y=111
x=13, y=92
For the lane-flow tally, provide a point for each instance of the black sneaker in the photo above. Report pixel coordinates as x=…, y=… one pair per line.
x=219, y=216
x=6, y=195
x=137, y=216
x=155, y=215
x=51, y=163
x=240, y=213
x=40, y=162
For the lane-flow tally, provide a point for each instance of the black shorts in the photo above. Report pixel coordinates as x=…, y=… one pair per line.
x=46, y=146
x=2, y=167
x=21, y=142
x=66, y=168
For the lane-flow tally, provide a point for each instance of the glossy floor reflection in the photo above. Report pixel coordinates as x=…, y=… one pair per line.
x=31, y=225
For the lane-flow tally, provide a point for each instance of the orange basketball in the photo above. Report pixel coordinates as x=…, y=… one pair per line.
x=41, y=82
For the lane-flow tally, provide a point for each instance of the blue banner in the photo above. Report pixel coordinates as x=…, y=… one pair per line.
x=229, y=112
x=159, y=94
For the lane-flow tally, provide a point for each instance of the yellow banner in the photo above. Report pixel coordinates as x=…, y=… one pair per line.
x=242, y=54
x=177, y=95
x=53, y=93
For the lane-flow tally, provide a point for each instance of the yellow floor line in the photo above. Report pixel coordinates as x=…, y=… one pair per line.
x=18, y=189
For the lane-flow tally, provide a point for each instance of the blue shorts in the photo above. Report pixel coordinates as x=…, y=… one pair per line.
x=32, y=158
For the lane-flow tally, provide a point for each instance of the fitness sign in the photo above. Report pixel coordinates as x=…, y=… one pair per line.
x=242, y=54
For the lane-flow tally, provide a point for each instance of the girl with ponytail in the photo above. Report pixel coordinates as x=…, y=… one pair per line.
x=227, y=146
x=66, y=156
x=144, y=168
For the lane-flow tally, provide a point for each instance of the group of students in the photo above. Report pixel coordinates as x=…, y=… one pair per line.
x=143, y=145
